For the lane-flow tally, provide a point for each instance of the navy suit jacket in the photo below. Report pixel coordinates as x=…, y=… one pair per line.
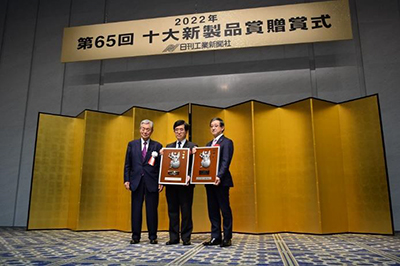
x=225, y=158
x=136, y=168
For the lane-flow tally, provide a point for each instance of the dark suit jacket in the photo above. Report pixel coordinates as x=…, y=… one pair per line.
x=136, y=169
x=225, y=158
x=188, y=144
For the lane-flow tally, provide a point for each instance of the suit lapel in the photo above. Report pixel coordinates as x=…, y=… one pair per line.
x=139, y=148
x=149, y=150
x=220, y=140
x=171, y=145
x=186, y=144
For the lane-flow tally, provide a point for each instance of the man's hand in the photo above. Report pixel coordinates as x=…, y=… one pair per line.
x=160, y=188
x=187, y=180
x=194, y=150
x=126, y=184
x=162, y=151
x=217, y=181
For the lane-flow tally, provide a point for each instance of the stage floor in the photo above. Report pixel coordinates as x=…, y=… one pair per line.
x=64, y=247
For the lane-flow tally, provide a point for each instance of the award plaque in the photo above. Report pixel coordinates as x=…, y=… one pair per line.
x=174, y=166
x=205, y=165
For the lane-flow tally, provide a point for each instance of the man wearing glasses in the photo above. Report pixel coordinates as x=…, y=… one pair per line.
x=180, y=197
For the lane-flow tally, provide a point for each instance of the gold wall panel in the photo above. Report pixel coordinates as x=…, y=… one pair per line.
x=270, y=161
x=301, y=185
x=329, y=158
x=76, y=181
x=308, y=167
x=364, y=167
x=238, y=127
x=102, y=173
x=56, y=179
x=123, y=197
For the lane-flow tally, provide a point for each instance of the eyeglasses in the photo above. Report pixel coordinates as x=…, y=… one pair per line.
x=179, y=129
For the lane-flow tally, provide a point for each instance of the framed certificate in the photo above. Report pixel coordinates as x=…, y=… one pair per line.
x=205, y=165
x=174, y=166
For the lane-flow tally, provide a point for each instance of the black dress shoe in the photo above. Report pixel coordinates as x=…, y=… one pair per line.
x=171, y=242
x=135, y=241
x=187, y=243
x=212, y=242
x=153, y=241
x=226, y=243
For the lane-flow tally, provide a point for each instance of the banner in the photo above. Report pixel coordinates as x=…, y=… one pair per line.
x=277, y=25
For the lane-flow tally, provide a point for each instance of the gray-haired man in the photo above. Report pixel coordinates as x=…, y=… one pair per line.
x=142, y=165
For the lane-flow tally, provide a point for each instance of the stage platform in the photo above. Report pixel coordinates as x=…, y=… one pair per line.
x=65, y=247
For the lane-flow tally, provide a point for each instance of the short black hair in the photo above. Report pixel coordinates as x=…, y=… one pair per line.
x=180, y=123
x=221, y=122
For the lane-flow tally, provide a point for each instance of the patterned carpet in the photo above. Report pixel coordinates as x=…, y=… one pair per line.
x=64, y=247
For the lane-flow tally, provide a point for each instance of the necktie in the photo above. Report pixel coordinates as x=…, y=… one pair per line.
x=214, y=142
x=144, y=151
x=179, y=144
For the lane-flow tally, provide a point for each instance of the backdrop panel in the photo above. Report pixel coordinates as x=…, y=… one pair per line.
x=56, y=180
x=329, y=164
x=101, y=172
x=309, y=167
x=269, y=160
x=124, y=197
x=301, y=190
x=239, y=128
x=367, y=188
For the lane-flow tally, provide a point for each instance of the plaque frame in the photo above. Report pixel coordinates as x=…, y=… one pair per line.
x=166, y=170
x=210, y=177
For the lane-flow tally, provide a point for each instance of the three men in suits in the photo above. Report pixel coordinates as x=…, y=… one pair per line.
x=142, y=165
x=180, y=197
x=218, y=193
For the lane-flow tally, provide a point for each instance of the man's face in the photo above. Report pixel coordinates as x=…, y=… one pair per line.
x=180, y=132
x=145, y=131
x=216, y=128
